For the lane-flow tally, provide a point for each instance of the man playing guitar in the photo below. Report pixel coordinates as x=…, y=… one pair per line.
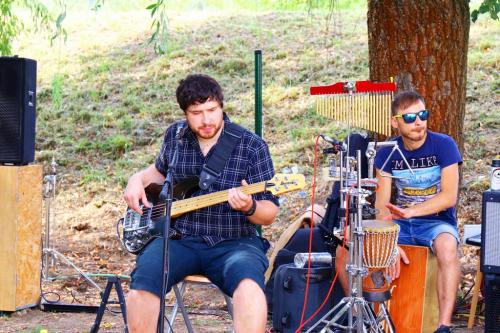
x=218, y=241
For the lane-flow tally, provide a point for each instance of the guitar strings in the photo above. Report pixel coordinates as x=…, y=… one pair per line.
x=186, y=205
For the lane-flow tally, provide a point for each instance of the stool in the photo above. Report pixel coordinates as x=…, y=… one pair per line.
x=475, y=241
x=179, y=290
x=475, y=294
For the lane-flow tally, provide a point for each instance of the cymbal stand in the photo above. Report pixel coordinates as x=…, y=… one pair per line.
x=354, y=304
x=50, y=254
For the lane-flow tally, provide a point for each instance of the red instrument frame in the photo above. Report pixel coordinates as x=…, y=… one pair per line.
x=360, y=87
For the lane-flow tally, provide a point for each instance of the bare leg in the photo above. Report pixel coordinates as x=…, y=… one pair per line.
x=448, y=278
x=250, y=308
x=143, y=309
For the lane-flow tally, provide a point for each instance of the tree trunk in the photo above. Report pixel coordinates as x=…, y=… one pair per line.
x=423, y=46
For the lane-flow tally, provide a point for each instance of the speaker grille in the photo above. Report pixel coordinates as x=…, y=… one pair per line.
x=10, y=122
x=17, y=110
x=492, y=236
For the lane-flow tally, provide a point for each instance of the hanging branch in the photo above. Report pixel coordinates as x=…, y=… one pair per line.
x=159, y=25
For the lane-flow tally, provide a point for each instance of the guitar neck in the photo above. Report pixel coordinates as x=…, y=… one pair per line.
x=187, y=205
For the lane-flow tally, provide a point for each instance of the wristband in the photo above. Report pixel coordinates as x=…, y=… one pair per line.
x=252, y=209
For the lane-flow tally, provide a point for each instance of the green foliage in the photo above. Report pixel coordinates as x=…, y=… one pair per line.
x=116, y=145
x=11, y=24
x=487, y=6
x=159, y=25
x=57, y=84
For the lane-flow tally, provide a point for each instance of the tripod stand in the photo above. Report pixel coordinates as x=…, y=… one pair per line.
x=50, y=255
x=354, y=305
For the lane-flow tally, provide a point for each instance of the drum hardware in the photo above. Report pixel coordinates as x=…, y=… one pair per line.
x=364, y=241
x=50, y=255
x=371, y=152
x=369, y=109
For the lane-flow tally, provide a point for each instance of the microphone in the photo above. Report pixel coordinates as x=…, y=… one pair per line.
x=179, y=133
x=337, y=145
x=330, y=140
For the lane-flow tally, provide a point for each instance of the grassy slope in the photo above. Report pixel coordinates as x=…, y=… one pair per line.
x=104, y=98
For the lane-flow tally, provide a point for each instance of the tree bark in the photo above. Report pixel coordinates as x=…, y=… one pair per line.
x=423, y=46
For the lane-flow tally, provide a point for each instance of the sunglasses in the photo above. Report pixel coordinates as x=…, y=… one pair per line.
x=411, y=117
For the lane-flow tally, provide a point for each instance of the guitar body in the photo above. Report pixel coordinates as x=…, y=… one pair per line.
x=140, y=230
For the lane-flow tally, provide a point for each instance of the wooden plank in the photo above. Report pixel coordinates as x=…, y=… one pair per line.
x=431, y=308
x=29, y=231
x=8, y=207
x=413, y=306
x=20, y=239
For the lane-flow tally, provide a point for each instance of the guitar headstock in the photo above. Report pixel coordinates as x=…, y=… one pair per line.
x=283, y=183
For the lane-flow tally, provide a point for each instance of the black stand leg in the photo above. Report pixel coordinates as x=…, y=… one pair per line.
x=112, y=280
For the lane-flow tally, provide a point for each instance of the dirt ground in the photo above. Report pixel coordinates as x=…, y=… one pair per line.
x=94, y=247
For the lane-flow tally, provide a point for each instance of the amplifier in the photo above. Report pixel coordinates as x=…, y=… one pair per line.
x=490, y=232
x=17, y=110
x=492, y=303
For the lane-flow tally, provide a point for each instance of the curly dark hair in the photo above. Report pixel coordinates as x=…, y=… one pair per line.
x=405, y=99
x=198, y=88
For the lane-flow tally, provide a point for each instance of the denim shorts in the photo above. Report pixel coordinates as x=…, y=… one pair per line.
x=225, y=264
x=423, y=232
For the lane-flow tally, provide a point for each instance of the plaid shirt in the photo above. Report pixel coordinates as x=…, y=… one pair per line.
x=250, y=160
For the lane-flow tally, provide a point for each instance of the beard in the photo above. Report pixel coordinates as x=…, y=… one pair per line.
x=209, y=131
x=414, y=134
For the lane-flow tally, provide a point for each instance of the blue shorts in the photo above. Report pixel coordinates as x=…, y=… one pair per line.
x=225, y=264
x=423, y=232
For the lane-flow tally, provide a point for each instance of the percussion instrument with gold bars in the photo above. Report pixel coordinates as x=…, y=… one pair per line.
x=362, y=104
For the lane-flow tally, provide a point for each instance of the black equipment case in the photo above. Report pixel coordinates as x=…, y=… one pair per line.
x=289, y=291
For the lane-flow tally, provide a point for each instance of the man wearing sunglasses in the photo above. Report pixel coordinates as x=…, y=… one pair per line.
x=425, y=198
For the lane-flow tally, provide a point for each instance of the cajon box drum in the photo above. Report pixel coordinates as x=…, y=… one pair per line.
x=20, y=236
x=414, y=303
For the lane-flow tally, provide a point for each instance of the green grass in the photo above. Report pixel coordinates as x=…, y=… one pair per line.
x=105, y=98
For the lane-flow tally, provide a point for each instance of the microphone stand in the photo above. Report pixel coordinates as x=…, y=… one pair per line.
x=166, y=196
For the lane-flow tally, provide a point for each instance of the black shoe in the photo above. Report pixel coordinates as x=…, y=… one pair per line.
x=443, y=329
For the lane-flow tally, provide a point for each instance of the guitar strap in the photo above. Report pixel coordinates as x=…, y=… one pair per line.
x=216, y=162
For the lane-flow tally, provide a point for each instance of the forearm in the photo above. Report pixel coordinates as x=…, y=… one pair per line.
x=382, y=210
x=148, y=176
x=436, y=204
x=265, y=213
x=383, y=195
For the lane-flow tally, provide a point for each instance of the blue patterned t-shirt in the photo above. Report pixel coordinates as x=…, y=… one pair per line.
x=437, y=152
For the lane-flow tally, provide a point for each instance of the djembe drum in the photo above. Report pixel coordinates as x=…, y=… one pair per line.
x=379, y=252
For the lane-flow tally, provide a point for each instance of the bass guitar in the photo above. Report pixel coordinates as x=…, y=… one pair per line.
x=138, y=230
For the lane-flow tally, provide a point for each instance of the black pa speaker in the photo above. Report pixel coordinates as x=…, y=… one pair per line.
x=492, y=303
x=490, y=232
x=17, y=110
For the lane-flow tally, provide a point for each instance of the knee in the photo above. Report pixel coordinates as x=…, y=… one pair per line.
x=248, y=291
x=142, y=310
x=247, y=288
x=446, y=248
